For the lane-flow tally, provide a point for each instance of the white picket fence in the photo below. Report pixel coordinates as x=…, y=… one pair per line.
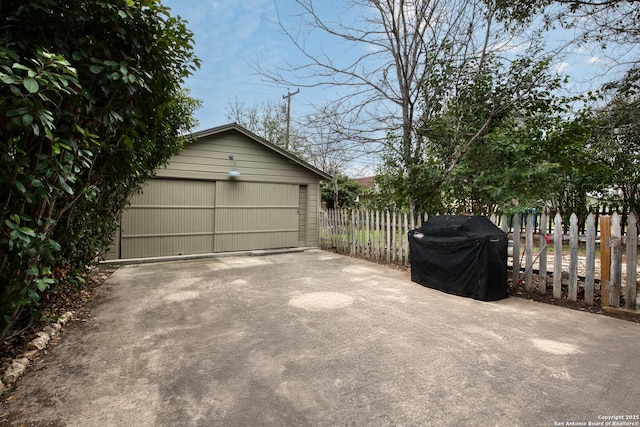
x=600, y=262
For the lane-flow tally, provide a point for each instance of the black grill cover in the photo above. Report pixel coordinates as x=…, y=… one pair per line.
x=460, y=255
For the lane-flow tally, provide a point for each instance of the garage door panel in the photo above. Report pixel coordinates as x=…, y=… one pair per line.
x=253, y=241
x=176, y=192
x=256, y=194
x=256, y=216
x=166, y=220
x=169, y=217
x=240, y=220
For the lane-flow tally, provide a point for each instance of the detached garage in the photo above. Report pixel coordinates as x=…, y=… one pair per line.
x=229, y=190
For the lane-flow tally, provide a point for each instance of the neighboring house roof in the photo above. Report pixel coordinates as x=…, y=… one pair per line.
x=368, y=181
x=236, y=127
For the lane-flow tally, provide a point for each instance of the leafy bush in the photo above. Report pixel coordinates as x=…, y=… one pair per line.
x=90, y=105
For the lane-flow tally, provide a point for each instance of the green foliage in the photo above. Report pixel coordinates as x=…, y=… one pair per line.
x=616, y=147
x=348, y=191
x=483, y=136
x=90, y=106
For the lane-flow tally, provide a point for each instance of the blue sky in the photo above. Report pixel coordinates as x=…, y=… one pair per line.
x=231, y=38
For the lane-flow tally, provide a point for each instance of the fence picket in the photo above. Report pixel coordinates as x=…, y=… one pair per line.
x=542, y=259
x=632, y=262
x=412, y=214
x=382, y=236
x=336, y=227
x=353, y=233
x=516, y=248
x=372, y=237
x=504, y=226
x=388, y=229
x=404, y=240
x=590, y=261
x=367, y=239
x=361, y=233
x=356, y=233
x=557, y=257
x=379, y=243
x=616, y=261
x=573, y=258
x=529, y=250
x=376, y=231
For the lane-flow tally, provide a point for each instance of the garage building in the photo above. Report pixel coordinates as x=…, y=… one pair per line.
x=229, y=190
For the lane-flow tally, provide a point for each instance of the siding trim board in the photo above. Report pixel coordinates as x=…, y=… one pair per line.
x=142, y=236
x=283, y=230
x=171, y=207
x=258, y=207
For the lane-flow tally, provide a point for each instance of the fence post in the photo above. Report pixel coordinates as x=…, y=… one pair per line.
x=542, y=265
x=632, y=263
x=616, y=261
x=605, y=259
x=590, y=268
x=557, y=257
x=573, y=257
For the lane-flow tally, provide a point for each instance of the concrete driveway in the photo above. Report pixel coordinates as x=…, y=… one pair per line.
x=316, y=338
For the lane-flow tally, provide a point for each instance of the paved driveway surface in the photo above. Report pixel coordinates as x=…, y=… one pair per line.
x=316, y=338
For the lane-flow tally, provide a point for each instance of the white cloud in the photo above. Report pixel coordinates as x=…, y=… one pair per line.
x=581, y=49
x=593, y=60
x=562, y=67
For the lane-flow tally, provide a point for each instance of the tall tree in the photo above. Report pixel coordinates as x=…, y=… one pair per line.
x=613, y=27
x=342, y=192
x=90, y=105
x=267, y=120
x=312, y=137
x=610, y=26
x=417, y=55
x=395, y=38
x=616, y=144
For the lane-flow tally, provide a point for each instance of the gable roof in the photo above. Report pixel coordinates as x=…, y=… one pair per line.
x=367, y=181
x=236, y=127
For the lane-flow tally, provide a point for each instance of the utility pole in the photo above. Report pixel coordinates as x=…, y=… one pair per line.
x=288, y=98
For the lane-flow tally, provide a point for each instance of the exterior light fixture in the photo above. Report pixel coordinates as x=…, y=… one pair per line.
x=233, y=173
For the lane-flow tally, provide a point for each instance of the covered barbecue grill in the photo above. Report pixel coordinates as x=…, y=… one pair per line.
x=460, y=255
